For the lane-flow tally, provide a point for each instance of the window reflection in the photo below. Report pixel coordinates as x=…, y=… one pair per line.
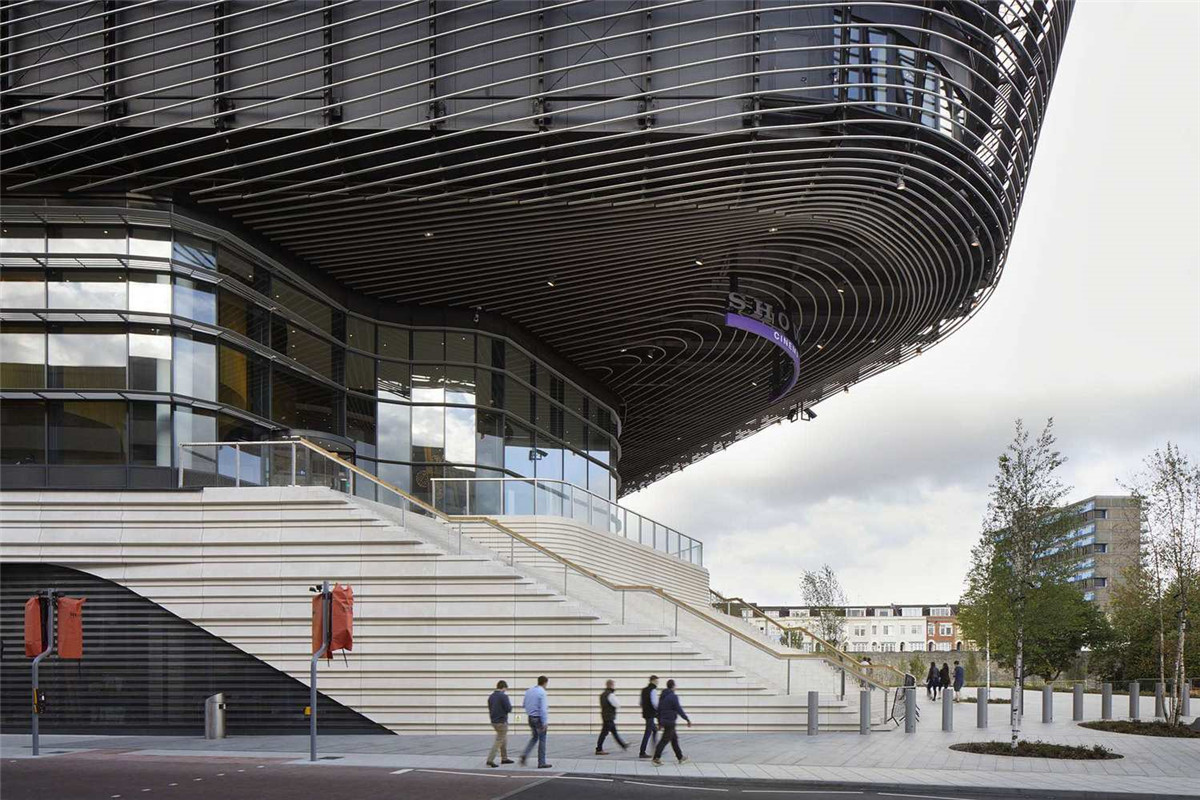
x=150, y=242
x=394, y=381
x=303, y=404
x=22, y=239
x=309, y=309
x=24, y=426
x=196, y=368
x=360, y=334
x=88, y=240
x=22, y=359
x=460, y=435
x=86, y=288
x=195, y=300
x=393, y=432
x=150, y=360
x=87, y=358
x=393, y=342
x=150, y=434
x=87, y=432
x=22, y=288
x=360, y=425
x=304, y=347
x=194, y=425
x=150, y=291
x=193, y=251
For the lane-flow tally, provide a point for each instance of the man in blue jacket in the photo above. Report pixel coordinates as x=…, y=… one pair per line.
x=537, y=711
x=669, y=712
x=499, y=707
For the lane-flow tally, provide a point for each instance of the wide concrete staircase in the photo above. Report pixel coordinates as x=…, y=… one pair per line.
x=439, y=618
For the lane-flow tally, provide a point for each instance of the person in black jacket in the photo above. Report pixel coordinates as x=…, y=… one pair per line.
x=944, y=677
x=931, y=681
x=608, y=715
x=649, y=703
x=669, y=712
x=499, y=707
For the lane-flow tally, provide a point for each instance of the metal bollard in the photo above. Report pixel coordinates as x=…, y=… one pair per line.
x=864, y=711
x=214, y=717
x=910, y=709
x=1106, y=701
x=981, y=707
x=947, y=710
x=1135, y=696
x=1047, y=703
x=1159, y=702
x=814, y=709
x=1077, y=703
x=1185, y=699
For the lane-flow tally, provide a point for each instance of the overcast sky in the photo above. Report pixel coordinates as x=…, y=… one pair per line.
x=1096, y=322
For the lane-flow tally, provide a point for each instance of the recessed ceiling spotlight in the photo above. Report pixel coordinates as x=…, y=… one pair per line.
x=699, y=263
x=754, y=383
x=900, y=184
x=772, y=230
x=550, y=283
x=872, y=341
x=975, y=241
x=623, y=349
x=841, y=287
x=820, y=345
x=428, y=234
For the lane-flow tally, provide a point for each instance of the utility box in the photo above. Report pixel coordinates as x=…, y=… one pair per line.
x=214, y=717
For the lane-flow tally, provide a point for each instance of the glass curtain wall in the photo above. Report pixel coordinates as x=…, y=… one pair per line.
x=121, y=342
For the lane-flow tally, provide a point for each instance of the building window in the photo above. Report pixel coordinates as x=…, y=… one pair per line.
x=24, y=426
x=1099, y=583
x=946, y=629
x=855, y=612
x=87, y=358
x=1100, y=547
x=88, y=433
x=883, y=612
x=939, y=611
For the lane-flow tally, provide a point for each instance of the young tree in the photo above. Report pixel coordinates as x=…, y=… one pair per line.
x=1169, y=490
x=823, y=594
x=1020, y=551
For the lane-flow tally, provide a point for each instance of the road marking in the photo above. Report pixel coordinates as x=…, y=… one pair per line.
x=470, y=774
x=671, y=786
x=573, y=778
x=260, y=766
x=172, y=784
x=241, y=770
x=923, y=796
x=401, y=771
x=798, y=791
x=197, y=779
x=220, y=774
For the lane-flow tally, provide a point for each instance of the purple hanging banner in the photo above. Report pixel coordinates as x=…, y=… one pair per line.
x=771, y=334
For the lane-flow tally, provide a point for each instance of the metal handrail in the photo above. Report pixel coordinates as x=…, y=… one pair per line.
x=689, y=549
x=515, y=536
x=759, y=613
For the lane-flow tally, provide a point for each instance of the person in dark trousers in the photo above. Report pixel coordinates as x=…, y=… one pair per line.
x=608, y=715
x=537, y=711
x=944, y=677
x=499, y=707
x=669, y=712
x=960, y=677
x=649, y=703
x=931, y=681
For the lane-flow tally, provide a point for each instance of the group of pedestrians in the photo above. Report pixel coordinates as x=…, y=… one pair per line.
x=661, y=713
x=939, y=680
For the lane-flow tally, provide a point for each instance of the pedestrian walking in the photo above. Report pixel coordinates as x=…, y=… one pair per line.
x=944, y=677
x=608, y=717
x=960, y=677
x=537, y=711
x=649, y=704
x=669, y=712
x=931, y=681
x=499, y=707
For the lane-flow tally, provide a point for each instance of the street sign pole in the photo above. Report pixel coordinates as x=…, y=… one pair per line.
x=326, y=636
x=46, y=597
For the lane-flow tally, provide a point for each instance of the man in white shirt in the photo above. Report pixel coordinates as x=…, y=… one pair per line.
x=608, y=715
x=537, y=710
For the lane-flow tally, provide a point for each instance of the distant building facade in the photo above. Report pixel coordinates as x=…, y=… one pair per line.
x=874, y=629
x=1106, y=543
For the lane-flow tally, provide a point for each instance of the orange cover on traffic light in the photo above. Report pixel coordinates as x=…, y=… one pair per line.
x=34, y=644
x=70, y=627
x=343, y=618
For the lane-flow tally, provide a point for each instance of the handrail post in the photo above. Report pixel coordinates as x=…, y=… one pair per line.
x=237, y=465
x=293, y=483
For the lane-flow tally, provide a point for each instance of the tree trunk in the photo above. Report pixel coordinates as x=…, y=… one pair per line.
x=1018, y=687
x=1176, y=695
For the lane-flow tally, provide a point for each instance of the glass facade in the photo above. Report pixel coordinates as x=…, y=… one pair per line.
x=118, y=343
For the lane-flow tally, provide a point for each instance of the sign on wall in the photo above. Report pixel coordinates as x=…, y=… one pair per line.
x=761, y=319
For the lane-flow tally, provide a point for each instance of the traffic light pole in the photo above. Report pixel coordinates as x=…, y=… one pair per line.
x=46, y=597
x=327, y=637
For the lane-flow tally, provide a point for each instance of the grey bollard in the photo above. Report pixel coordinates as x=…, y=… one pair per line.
x=910, y=709
x=947, y=710
x=1135, y=696
x=864, y=711
x=1185, y=700
x=1077, y=703
x=1159, y=694
x=1047, y=703
x=214, y=717
x=981, y=707
x=814, y=709
x=1106, y=701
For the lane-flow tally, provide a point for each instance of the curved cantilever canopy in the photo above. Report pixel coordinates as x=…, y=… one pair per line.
x=603, y=173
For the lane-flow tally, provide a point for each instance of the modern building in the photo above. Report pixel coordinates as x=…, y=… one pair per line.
x=1106, y=543
x=506, y=259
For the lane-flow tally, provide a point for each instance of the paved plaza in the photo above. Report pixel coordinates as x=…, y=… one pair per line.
x=1150, y=765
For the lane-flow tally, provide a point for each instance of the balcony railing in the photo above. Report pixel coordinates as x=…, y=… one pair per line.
x=554, y=498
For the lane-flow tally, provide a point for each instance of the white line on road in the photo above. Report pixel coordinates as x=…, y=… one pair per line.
x=798, y=791
x=573, y=778
x=672, y=786
x=401, y=771
x=471, y=774
x=922, y=796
